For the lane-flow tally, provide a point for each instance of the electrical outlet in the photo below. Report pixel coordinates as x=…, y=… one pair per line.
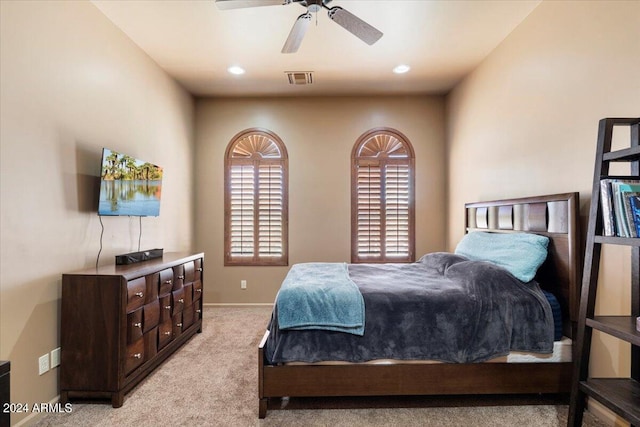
x=55, y=357
x=243, y=284
x=43, y=364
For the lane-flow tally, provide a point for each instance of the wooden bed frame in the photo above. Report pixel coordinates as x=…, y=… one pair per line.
x=555, y=216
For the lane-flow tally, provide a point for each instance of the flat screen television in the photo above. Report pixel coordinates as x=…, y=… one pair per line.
x=128, y=186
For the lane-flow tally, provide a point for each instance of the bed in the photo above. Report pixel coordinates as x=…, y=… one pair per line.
x=554, y=217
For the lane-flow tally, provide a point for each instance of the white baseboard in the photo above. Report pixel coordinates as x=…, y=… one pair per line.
x=237, y=304
x=604, y=415
x=33, y=417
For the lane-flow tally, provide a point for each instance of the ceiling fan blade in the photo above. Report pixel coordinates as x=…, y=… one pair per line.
x=297, y=33
x=241, y=4
x=355, y=25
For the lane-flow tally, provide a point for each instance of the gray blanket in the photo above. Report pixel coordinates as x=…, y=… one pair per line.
x=443, y=307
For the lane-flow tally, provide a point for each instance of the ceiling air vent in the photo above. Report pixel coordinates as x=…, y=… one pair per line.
x=299, y=77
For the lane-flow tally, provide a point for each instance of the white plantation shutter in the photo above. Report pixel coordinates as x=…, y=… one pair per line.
x=369, y=211
x=242, y=210
x=270, y=210
x=397, y=210
x=382, y=198
x=256, y=203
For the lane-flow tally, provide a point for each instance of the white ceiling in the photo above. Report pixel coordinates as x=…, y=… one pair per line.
x=195, y=42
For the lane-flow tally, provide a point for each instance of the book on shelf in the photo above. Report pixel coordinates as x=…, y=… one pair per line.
x=635, y=209
x=607, y=209
x=618, y=199
x=627, y=192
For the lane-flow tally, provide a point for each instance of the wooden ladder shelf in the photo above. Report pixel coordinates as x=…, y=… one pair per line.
x=621, y=395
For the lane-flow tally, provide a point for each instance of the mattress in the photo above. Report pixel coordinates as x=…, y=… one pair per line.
x=561, y=354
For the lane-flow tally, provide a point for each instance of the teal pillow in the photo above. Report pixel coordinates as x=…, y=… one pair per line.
x=519, y=253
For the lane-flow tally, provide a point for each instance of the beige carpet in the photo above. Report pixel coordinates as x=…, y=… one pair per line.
x=213, y=381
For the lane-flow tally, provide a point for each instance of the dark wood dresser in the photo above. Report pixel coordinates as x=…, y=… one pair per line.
x=5, y=393
x=119, y=322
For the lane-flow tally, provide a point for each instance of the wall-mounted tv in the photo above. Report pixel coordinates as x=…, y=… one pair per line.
x=128, y=186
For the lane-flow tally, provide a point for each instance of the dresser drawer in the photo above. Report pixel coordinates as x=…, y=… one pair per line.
x=150, y=315
x=188, y=294
x=153, y=282
x=177, y=301
x=178, y=276
x=177, y=324
x=166, y=281
x=151, y=343
x=197, y=310
x=165, y=308
x=189, y=272
x=197, y=290
x=187, y=317
x=134, y=325
x=136, y=290
x=165, y=333
x=134, y=356
x=198, y=269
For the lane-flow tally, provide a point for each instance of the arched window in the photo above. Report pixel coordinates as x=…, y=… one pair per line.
x=382, y=198
x=256, y=199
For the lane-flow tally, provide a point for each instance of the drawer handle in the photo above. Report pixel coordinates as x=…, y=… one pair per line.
x=167, y=307
x=180, y=277
x=137, y=356
x=139, y=294
x=199, y=290
x=200, y=269
x=198, y=311
x=168, y=282
x=181, y=300
x=179, y=325
x=137, y=325
x=167, y=333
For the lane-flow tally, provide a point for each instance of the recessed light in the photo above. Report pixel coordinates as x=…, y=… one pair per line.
x=401, y=69
x=236, y=70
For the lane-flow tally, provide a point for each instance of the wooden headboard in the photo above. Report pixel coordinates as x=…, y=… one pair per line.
x=555, y=216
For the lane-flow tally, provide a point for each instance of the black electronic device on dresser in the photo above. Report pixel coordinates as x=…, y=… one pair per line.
x=133, y=257
x=119, y=322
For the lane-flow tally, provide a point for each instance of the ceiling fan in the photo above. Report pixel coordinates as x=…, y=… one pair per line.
x=344, y=18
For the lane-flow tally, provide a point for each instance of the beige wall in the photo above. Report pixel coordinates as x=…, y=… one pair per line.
x=72, y=83
x=319, y=134
x=525, y=123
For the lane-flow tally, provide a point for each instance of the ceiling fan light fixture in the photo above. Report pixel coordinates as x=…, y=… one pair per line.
x=313, y=6
x=236, y=70
x=401, y=69
x=347, y=20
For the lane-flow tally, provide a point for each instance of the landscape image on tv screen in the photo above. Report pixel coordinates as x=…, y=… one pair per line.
x=129, y=186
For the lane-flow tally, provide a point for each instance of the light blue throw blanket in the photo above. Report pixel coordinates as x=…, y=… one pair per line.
x=320, y=296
